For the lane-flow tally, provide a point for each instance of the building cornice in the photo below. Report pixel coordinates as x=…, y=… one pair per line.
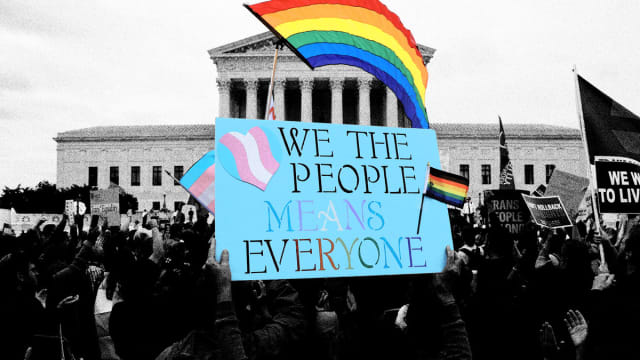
x=227, y=51
x=509, y=138
x=71, y=139
x=203, y=132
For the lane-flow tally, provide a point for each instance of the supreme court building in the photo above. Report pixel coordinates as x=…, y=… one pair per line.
x=135, y=157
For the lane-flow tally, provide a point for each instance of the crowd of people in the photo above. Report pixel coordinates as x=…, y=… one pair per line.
x=149, y=291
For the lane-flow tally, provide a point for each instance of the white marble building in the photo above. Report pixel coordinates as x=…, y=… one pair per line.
x=332, y=94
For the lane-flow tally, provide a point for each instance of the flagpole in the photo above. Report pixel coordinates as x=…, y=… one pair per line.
x=426, y=182
x=185, y=189
x=592, y=185
x=174, y=179
x=273, y=75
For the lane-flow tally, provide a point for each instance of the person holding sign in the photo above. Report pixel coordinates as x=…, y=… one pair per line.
x=221, y=335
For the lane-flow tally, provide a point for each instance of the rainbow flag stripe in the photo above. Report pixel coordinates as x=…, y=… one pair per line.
x=199, y=180
x=361, y=33
x=446, y=187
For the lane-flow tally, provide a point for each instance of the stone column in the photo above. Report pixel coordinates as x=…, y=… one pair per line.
x=392, y=109
x=224, y=97
x=306, y=90
x=278, y=93
x=336, y=100
x=364, y=102
x=251, y=85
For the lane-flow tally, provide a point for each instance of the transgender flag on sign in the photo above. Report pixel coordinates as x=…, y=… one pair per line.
x=250, y=157
x=199, y=181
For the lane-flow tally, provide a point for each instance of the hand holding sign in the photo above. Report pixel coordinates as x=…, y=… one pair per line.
x=547, y=211
x=443, y=282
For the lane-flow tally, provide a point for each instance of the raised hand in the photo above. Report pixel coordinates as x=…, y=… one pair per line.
x=602, y=281
x=221, y=271
x=158, y=244
x=548, y=341
x=577, y=327
x=443, y=282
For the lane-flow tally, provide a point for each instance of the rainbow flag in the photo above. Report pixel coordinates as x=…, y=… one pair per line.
x=361, y=33
x=199, y=181
x=446, y=187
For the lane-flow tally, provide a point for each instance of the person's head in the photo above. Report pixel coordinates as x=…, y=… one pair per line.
x=196, y=247
x=142, y=244
x=528, y=239
x=17, y=275
x=499, y=243
x=574, y=256
x=494, y=221
x=480, y=214
x=31, y=244
x=47, y=232
x=632, y=251
x=555, y=242
x=468, y=236
x=180, y=218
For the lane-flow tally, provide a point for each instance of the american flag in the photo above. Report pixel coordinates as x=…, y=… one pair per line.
x=271, y=111
x=506, y=168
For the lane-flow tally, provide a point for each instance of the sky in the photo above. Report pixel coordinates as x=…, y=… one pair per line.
x=68, y=64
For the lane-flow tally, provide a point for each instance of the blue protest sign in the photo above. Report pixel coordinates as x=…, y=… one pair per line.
x=307, y=200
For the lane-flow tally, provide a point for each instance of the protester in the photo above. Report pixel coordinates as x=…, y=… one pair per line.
x=218, y=336
x=152, y=291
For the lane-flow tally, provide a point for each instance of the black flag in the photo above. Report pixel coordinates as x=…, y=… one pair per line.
x=506, y=170
x=610, y=129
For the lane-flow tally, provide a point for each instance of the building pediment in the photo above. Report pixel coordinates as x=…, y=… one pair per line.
x=264, y=45
x=261, y=44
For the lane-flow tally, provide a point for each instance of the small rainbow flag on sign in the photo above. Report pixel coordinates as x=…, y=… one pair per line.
x=360, y=33
x=446, y=187
x=199, y=181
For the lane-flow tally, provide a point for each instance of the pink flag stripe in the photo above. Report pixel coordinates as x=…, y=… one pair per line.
x=212, y=206
x=241, y=159
x=264, y=149
x=208, y=195
x=201, y=184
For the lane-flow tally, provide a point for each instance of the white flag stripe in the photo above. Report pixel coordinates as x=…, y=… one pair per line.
x=253, y=156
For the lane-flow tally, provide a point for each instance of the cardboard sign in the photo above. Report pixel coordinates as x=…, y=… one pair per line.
x=24, y=222
x=547, y=211
x=312, y=200
x=585, y=210
x=106, y=203
x=509, y=207
x=570, y=188
x=5, y=217
x=71, y=207
x=618, y=184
